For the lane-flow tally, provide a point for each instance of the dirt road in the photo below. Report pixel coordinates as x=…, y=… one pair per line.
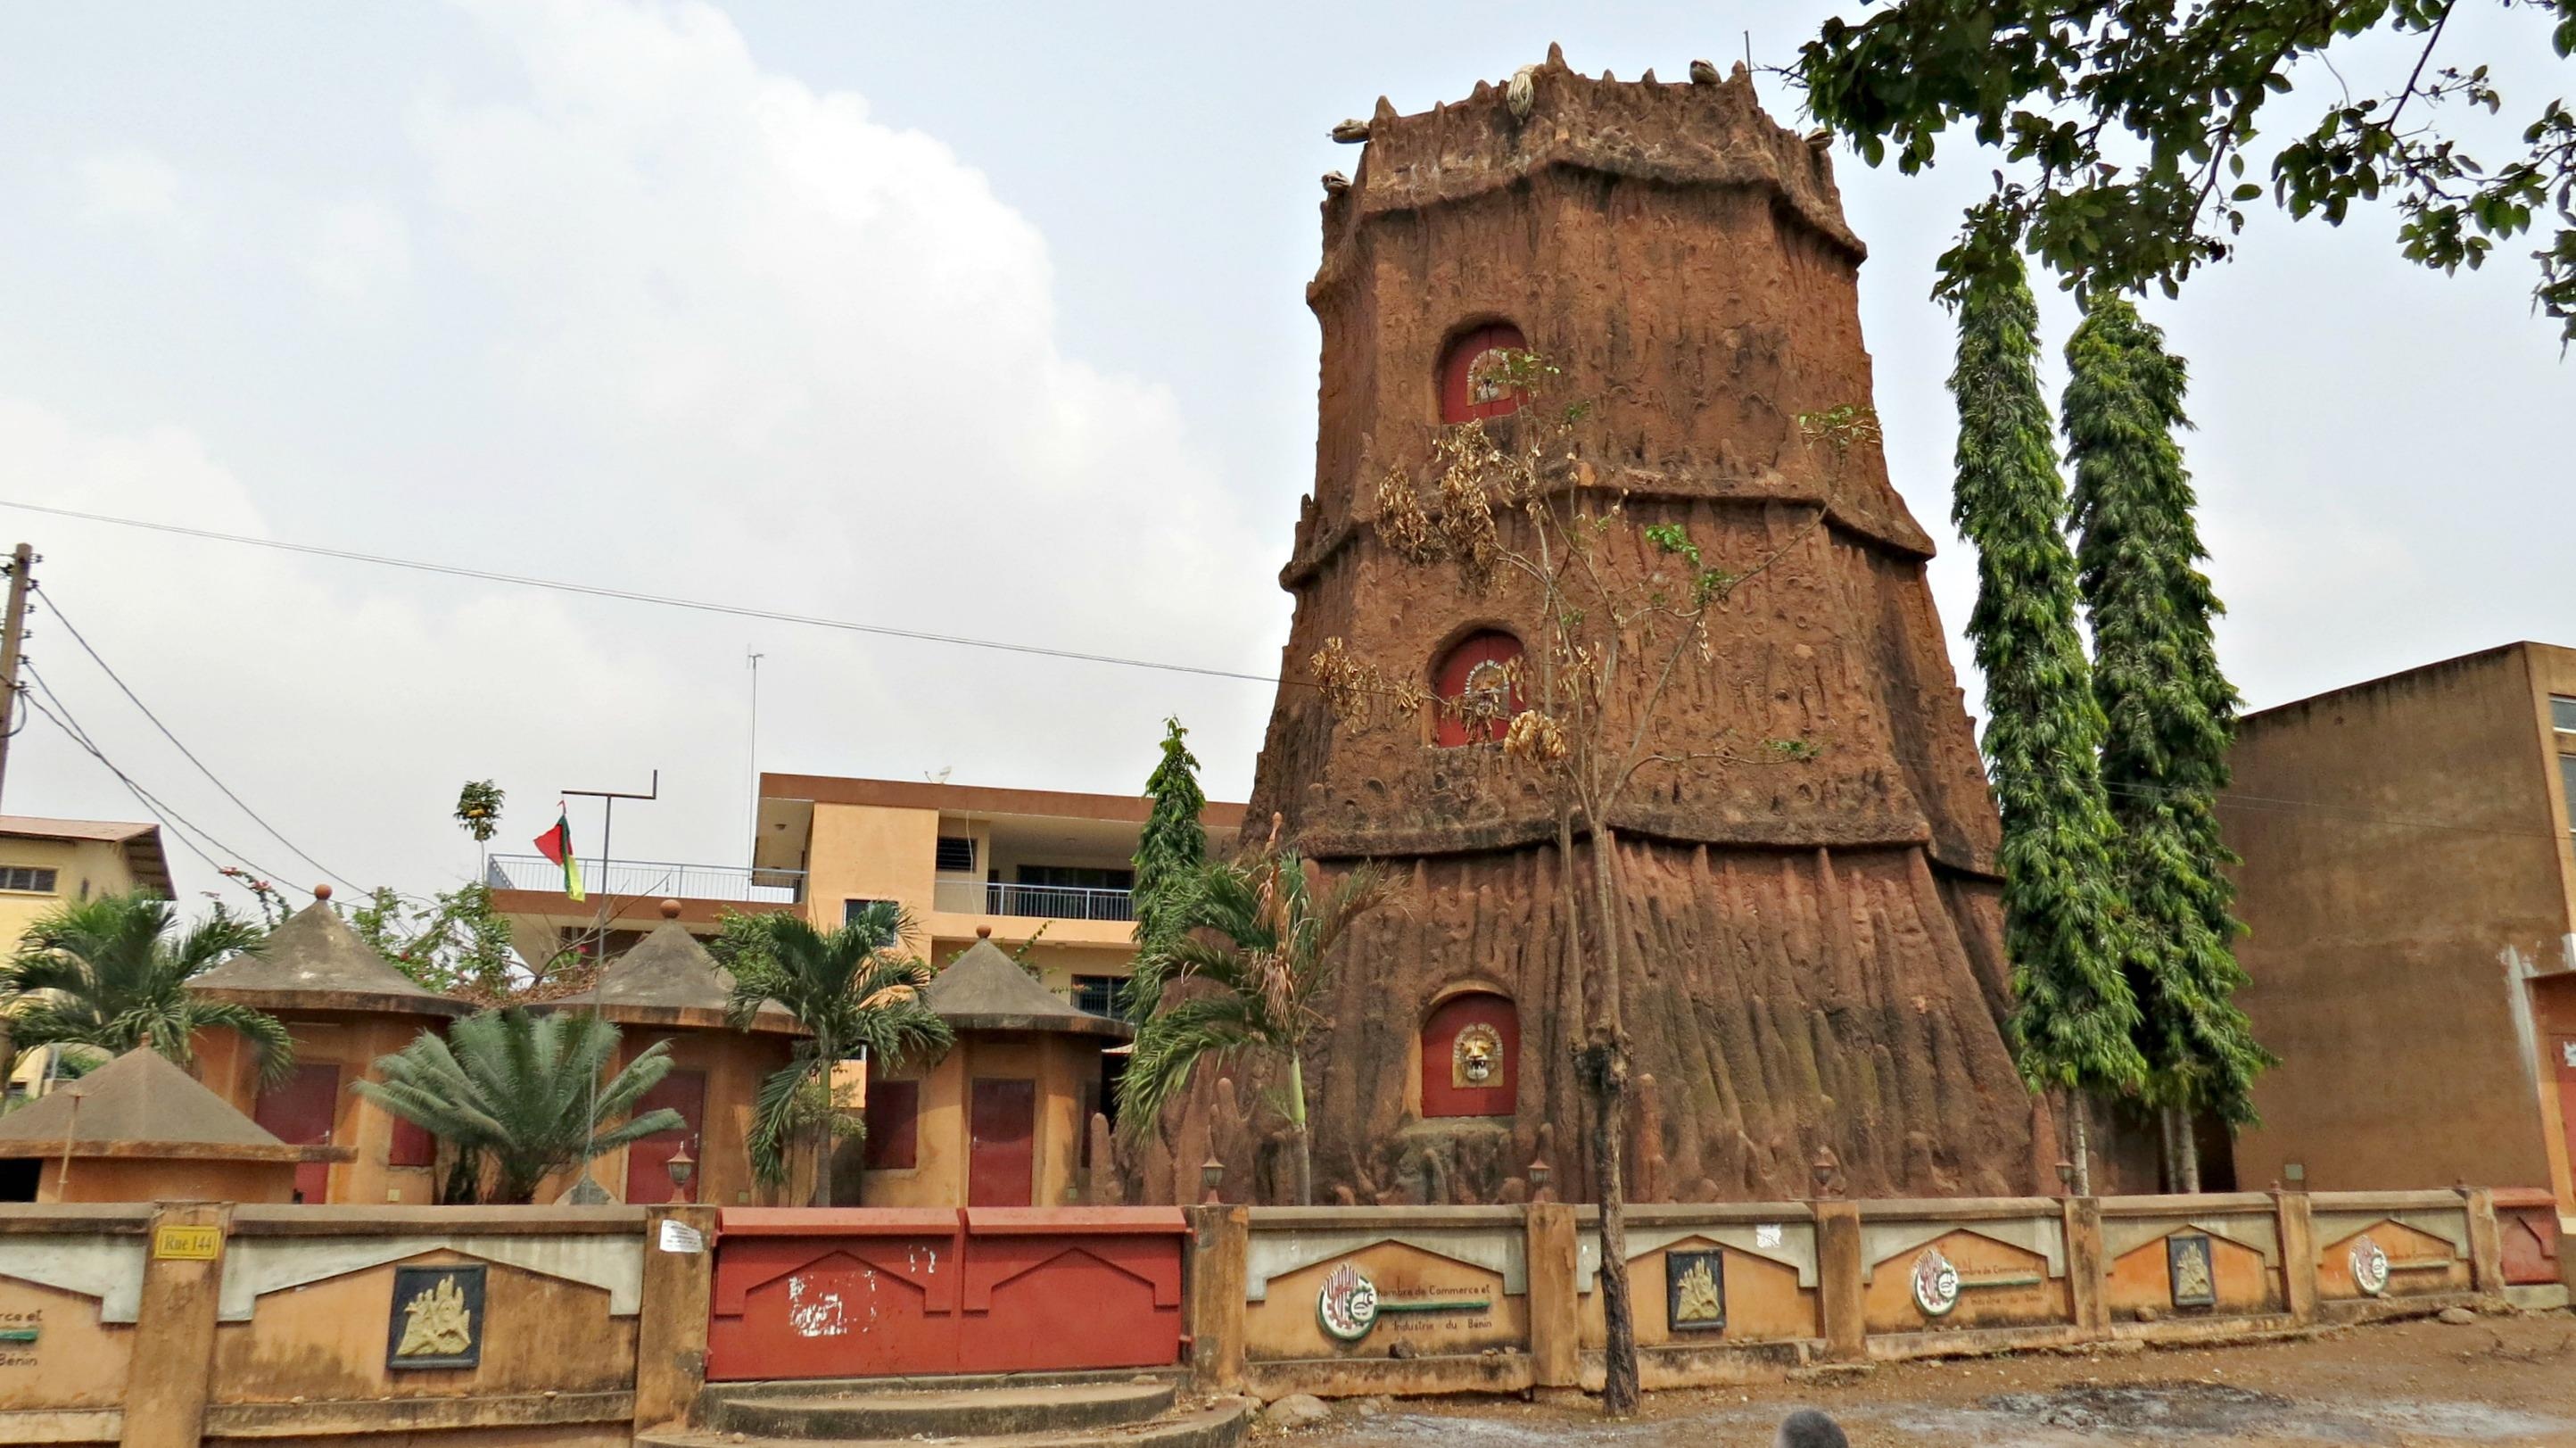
x=2499, y=1381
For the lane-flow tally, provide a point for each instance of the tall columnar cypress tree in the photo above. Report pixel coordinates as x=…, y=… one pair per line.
x=2074, y=1016
x=2170, y=714
x=1169, y=852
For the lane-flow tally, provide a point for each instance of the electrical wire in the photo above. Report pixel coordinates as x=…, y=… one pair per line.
x=190, y=755
x=2252, y=802
x=179, y=825
x=627, y=595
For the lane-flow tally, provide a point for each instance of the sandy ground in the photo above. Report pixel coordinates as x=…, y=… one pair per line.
x=2498, y=1381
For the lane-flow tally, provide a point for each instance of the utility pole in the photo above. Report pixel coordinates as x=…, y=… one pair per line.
x=22, y=576
x=588, y=1192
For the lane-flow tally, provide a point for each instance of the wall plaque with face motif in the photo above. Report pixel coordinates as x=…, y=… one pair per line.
x=2191, y=1273
x=1476, y=1057
x=437, y=1318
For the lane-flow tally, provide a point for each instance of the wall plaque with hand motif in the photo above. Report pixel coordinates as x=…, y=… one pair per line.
x=437, y=1318
x=1695, y=1291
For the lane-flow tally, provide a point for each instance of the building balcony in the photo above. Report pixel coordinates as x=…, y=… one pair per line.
x=650, y=880
x=1033, y=902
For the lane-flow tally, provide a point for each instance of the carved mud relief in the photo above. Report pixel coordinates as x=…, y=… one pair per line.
x=437, y=1318
x=1811, y=950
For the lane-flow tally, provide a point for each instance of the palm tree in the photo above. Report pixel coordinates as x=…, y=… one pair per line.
x=1257, y=936
x=522, y=1092
x=854, y=989
x=112, y=973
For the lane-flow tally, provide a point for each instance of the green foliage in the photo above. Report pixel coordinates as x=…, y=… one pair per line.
x=478, y=809
x=112, y=973
x=1169, y=851
x=521, y=1091
x=1259, y=944
x=854, y=988
x=2126, y=125
x=2170, y=711
x=457, y=943
x=2073, y=1014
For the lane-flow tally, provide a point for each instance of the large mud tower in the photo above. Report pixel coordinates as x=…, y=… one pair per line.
x=1813, y=958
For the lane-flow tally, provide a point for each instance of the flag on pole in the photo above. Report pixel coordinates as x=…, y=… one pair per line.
x=556, y=845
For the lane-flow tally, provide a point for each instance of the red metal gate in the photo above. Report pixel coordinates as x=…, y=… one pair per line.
x=870, y=1292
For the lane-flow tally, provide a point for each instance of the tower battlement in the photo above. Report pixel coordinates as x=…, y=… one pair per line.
x=1681, y=133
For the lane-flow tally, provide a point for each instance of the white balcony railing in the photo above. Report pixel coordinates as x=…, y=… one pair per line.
x=653, y=879
x=1043, y=902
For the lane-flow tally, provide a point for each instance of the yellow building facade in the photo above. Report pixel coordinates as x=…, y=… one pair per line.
x=46, y=864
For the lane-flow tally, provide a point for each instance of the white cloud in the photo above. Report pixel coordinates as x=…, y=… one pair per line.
x=776, y=352
x=355, y=248
x=130, y=184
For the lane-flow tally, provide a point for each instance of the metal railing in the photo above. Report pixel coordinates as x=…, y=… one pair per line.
x=1042, y=902
x=651, y=879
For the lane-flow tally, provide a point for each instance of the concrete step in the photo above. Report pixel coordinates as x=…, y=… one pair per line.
x=1217, y=1427
x=878, y=1414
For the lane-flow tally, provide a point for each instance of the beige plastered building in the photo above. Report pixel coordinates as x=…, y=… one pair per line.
x=2409, y=884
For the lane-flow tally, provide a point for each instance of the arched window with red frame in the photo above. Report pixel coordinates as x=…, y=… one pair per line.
x=1469, y=383
x=1471, y=1046
x=1477, y=685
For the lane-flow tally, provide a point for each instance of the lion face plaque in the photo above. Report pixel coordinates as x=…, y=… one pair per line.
x=1477, y=1056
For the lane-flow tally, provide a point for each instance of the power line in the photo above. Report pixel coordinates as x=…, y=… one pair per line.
x=925, y=636
x=179, y=825
x=626, y=595
x=191, y=756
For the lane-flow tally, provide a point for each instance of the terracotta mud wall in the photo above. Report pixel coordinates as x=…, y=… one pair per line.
x=1813, y=953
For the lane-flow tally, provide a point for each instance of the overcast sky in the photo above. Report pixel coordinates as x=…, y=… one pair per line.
x=985, y=320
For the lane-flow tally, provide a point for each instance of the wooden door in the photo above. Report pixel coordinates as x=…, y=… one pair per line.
x=1001, y=1160
x=300, y=1112
x=648, y=1162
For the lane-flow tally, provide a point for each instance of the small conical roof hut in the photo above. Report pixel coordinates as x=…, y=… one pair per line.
x=985, y=990
x=669, y=979
x=140, y=1105
x=315, y=962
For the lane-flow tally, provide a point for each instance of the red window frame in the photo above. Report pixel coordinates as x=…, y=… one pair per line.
x=893, y=1117
x=1449, y=684
x=1458, y=400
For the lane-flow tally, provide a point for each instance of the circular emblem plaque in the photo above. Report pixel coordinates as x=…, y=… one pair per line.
x=1936, y=1283
x=1347, y=1305
x=2369, y=1267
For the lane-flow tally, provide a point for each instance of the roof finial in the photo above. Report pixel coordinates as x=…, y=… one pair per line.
x=670, y=909
x=983, y=932
x=321, y=892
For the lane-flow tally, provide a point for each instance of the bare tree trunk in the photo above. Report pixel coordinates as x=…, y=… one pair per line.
x=2187, y=1149
x=1303, y=1160
x=2171, y=1149
x=2077, y=1108
x=1608, y=1048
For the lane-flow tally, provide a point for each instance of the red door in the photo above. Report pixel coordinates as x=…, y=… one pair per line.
x=1476, y=1076
x=648, y=1162
x=2563, y=1051
x=1001, y=1164
x=300, y=1113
